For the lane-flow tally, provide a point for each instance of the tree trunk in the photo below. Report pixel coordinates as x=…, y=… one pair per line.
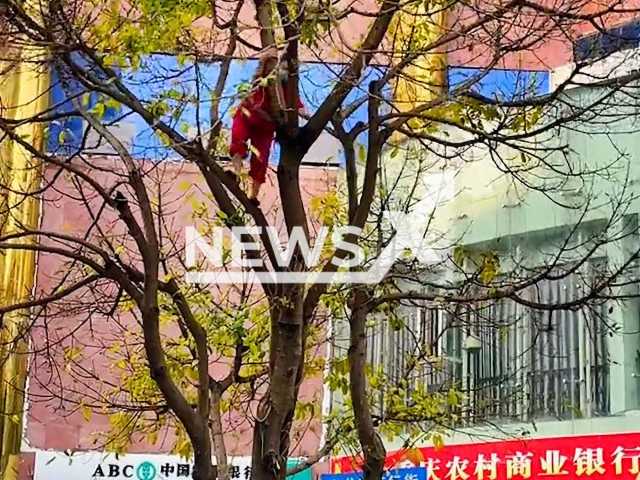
x=194, y=424
x=372, y=446
x=276, y=411
x=217, y=436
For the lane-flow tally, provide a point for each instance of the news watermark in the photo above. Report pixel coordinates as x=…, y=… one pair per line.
x=239, y=268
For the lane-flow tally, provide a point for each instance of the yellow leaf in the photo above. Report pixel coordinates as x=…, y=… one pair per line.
x=100, y=109
x=362, y=153
x=184, y=186
x=438, y=442
x=87, y=412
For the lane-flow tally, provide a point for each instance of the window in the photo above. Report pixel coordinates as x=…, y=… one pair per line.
x=602, y=44
x=513, y=363
x=425, y=334
x=500, y=83
x=535, y=364
x=65, y=135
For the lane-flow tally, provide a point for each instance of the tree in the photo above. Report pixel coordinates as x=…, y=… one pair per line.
x=127, y=259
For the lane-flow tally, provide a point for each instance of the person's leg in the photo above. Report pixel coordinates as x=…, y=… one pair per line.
x=236, y=163
x=255, y=188
x=261, y=142
x=238, y=150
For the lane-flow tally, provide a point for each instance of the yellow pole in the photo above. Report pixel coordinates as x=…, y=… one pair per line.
x=23, y=94
x=423, y=79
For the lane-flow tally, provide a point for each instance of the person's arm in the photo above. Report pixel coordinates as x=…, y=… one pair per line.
x=301, y=110
x=260, y=104
x=300, y=106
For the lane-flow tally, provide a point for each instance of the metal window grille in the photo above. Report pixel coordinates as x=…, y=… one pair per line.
x=427, y=335
x=530, y=364
x=539, y=364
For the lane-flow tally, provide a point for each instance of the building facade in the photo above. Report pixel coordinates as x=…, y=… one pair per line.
x=551, y=392
x=577, y=380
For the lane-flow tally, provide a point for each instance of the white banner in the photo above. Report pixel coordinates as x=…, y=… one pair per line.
x=134, y=466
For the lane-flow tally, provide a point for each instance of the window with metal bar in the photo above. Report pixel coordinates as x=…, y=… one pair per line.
x=522, y=364
x=417, y=352
x=533, y=364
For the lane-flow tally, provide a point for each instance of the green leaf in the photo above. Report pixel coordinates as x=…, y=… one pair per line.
x=362, y=153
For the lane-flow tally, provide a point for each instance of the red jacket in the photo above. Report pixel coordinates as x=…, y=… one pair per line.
x=260, y=99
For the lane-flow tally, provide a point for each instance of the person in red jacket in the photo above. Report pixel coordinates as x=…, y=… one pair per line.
x=253, y=122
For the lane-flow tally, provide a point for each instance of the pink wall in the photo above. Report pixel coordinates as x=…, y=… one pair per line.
x=53, y=420
x=545, y=41
x=551, y=49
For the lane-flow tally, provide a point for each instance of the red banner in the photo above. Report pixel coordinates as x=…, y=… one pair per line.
x=594, y=456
